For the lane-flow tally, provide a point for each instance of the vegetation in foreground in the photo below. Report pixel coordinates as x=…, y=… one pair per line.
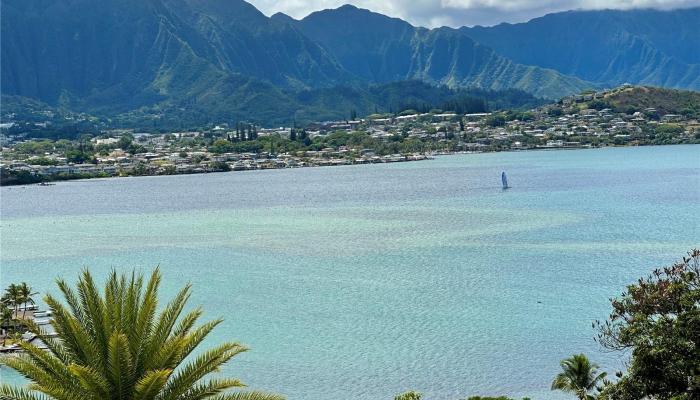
x=658, y=320
x=115, y=345
x=579, y=376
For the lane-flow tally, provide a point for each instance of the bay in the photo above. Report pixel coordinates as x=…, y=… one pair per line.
x=366, y=281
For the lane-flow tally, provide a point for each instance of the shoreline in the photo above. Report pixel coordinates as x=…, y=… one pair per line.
x=330, y=163
x=53, y=179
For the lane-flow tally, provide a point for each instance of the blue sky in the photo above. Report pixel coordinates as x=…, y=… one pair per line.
x=432, y=13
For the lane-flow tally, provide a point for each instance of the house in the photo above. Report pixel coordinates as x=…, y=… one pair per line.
x=105, y=141
x=672, y=118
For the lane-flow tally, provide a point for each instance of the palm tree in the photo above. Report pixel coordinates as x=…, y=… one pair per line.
x=5, y=320
x=13, y=297
x=114, y=345
x=25, y=292
x=579, y=376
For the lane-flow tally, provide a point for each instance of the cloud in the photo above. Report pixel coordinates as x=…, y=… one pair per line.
x=432, y=13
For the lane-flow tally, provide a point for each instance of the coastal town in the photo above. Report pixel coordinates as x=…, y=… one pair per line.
x=582, y=121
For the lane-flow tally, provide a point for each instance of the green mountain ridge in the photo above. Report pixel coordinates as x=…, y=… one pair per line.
x=131, y=53
x=382, y=49
x=649, y=47
x=209, y=59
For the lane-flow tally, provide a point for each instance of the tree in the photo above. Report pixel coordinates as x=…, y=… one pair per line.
x=13, y=297
x=598, y=104
x=669, y=129
x=409, y=396
x=219, y=166
x=139, y=169
x=5, y=321
x=221, y=146
x=555, y=112
x=115, y=345
x=26, y=294
x=658, y=319
x=579, y=376
x=496, y=120
x=77, y=156
x=125, y=141
x=135, y=148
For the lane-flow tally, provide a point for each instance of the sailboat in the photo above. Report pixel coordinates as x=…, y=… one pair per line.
x=504, y=180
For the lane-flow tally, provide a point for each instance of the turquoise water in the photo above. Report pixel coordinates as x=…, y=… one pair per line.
x=361, y=282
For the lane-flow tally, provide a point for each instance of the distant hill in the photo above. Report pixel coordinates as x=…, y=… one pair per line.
x=649, y=47
x=664, y=101
x=250, y=103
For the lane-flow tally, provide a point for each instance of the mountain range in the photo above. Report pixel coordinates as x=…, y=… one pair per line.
x=647, y=47
x=377, y=48
x=206, y=59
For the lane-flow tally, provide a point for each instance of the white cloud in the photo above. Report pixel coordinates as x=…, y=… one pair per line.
x=456, y=13
x=516, y=5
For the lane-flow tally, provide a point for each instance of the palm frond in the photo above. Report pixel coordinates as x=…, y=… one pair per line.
x=91, y=380
x=148, y=387
x=248, y=396
x=195, y=338
x=119, y=365
x=202, y=365
x=187, y=322
x=208, y=389
x=165, y=323
x=8, y=392
x=113, y=345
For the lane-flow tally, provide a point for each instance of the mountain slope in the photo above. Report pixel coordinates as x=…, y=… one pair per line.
x=612, y=47
x=208, y=59
x=382, y=49
x=240, y=98
x=137, y=52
